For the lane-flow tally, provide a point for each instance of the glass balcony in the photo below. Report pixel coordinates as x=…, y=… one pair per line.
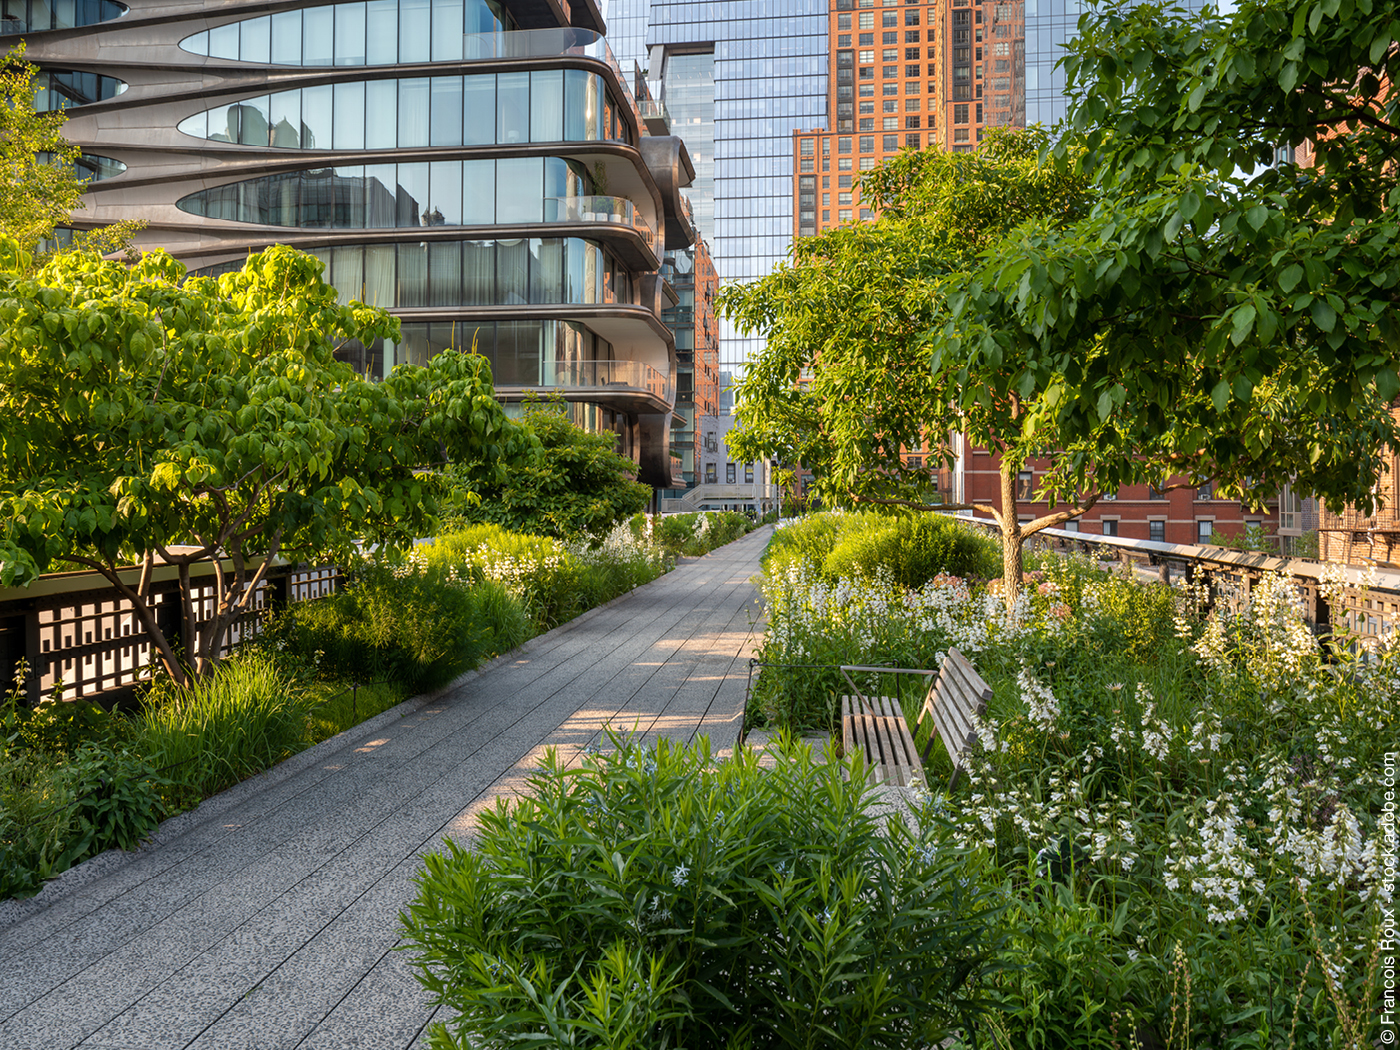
x=598, y=209
x=607, y=377
x=655, y=115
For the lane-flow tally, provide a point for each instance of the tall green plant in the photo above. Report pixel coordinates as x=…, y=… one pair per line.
x=657, y=898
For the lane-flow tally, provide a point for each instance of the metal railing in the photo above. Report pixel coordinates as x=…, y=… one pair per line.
x=77, y=629
x=621, y=376
x=598, y=209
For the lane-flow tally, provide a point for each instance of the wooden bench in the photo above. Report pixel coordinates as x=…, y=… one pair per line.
x=956, y=698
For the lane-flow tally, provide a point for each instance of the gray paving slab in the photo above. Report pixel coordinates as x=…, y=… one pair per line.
x=268, y=917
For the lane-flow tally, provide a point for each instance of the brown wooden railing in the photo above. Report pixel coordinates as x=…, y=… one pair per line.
x=75, y=628
x=1367, y=610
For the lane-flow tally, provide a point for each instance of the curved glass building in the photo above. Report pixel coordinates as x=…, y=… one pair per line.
x=476, y=166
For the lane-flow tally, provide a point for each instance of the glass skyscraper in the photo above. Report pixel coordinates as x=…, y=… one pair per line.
x=759, y=68
x=479, y=167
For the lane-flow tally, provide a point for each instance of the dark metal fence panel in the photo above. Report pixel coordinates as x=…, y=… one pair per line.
x=78, y=630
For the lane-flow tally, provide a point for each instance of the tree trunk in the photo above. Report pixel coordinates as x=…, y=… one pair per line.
x=1012, y=557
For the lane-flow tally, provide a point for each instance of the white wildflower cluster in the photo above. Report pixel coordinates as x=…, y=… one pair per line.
x=1217, y=862
x=1267, y=639
x=1206, y=737
x=1321, y=836
x=1040, y=701
x=1104, y=826
x=1156, y=733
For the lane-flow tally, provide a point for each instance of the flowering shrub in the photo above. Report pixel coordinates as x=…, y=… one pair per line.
x=654, y=898
x=1169, y=777
x=691, y=535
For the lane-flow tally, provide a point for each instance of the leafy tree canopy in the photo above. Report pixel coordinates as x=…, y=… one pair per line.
x=1245, y=317
x=41, y=188
x=576, y=484
x=144, y=414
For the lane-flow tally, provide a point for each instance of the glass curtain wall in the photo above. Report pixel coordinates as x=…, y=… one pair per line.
x=377, y=196
x=482, y=109
x=770, y=78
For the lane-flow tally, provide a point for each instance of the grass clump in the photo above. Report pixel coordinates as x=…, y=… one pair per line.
x=246, y=716
x=656, y=898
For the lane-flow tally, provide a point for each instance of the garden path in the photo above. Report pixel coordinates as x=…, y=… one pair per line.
x=268, y=917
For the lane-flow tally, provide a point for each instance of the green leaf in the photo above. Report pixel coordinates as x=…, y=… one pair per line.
x=1387, y=384
x=1220, y=396
x=1242, y=322
x=1288, y=280
x=1323, y=315
x=1257, y=216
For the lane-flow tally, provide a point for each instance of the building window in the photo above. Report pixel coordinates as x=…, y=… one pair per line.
x=912, y=141
x=748, y=473
x=892, y=124
x=843, y=215
x=1109, y=497
x=867, y=124
x=843, y=145
x=1071, y=526
x=1204, y=527
x=867, y=19
x=711, y=476
x=844, y=198
x=1110, y=526
x=843, y=163
x=843, y=21
x=911, y=123
x=1153, y=492
x=1206, y=491
x=890, y=38
x=960, y=114
x=844, y=181
x=911, y=17
x=911, y=105
x=867, y=163
x=729, y=473
x=1025, y=485
x=890, y=143
x=866, y=57
x=1157, y=531
x=867, y=144
x=961, y=135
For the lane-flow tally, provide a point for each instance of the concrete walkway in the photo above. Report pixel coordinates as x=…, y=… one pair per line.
x=269, y=916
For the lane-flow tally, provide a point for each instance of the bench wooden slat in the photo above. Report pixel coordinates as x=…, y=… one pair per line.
x=956, y=698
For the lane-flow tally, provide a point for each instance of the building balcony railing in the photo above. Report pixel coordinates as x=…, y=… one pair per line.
x=547, y=43
x=655, y=115
x=598, y=209
x=606, y=376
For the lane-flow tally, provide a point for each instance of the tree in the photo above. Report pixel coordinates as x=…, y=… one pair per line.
x=576, y=484
x=856, y=367
x=1244, y=315
x=1202, y=318
x=41, y=188
x=145, y=415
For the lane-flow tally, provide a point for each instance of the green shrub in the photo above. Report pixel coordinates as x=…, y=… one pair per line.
x=36, y=818
x=691, y=535
x=910, y=549
x=246, y=716
x=657, y=898
x=420, y=625
x=117, y=801
x=803, y=541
